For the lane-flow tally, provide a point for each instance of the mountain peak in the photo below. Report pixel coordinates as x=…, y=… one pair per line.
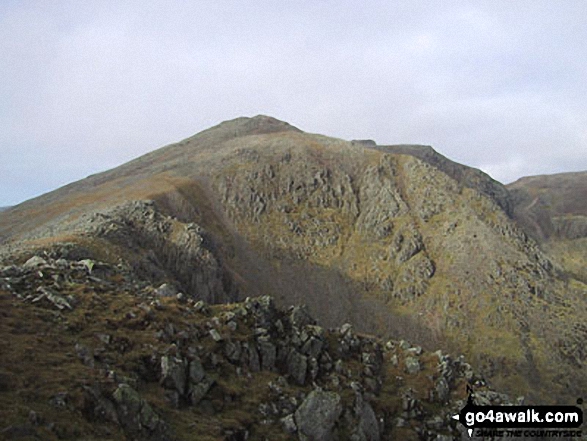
x=256, y=125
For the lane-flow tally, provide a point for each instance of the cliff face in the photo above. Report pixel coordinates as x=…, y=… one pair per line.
x=397, y=240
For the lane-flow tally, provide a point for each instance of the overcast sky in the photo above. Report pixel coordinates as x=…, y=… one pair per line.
x=86, y=86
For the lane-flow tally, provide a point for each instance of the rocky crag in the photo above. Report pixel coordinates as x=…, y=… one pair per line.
x=396, y=240
x=96, y=352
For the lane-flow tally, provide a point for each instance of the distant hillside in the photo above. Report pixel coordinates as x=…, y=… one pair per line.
x=396, y=240
x=4, y=208
x=553, y=210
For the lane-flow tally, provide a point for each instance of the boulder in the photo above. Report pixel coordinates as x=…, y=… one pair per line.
x=173, y=373
x=297, y=366
x=317, y=416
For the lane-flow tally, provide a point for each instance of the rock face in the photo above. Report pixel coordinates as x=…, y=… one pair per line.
x=395, y=240
x=317, y=416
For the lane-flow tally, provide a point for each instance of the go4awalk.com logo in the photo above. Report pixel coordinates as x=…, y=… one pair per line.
x=521, y=421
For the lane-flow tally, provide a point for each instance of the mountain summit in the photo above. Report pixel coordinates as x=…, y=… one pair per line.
x=399, y=241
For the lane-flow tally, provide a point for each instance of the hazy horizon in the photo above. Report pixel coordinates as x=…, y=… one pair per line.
x=495, y=85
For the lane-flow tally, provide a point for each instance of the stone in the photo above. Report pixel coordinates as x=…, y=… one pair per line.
x=198, y=391
x=88, y=264
x=346, y=328
x=288, y=424
x=215, y=335
x=297, y=366
x=268, y=353
x=34, y=263
x=312, y=347
x=253, y=355
x=233, y=351
x=134, y=412
x=317, y=416
x=300, y=317
x=368, y=429
x=412, y=365
x=442, y=390
x=173, y=373
x=196, y=370
x=166, y=290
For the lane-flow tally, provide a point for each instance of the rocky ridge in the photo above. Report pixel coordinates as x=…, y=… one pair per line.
x=104, y=354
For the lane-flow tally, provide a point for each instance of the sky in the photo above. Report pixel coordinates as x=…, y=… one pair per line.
x=86, y=86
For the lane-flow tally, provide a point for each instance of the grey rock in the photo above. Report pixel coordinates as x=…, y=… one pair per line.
x=215, y=335
x=368, y=429
x=297, y=366
x=412, y=365
x=442, y=390
x=173, y=373
x=300, y=317
x=166, y=290
x=253, y=356
x=57, y=300
x=346, y=329
x=198, y=391
x=268, y=353
x=134, y=412
x=196, y=370
x=288, y=424
x=233, y=351
x=317, y=416
x=34, y=263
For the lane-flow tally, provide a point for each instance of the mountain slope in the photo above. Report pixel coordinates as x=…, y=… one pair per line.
x=396, y=240
x=553, y=209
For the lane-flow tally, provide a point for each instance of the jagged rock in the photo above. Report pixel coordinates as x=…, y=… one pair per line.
x=215, y=335
x=173, y=373
x=233, y=351
x=346, y=329
x=97, y=407
x=297, y=366
x=317, y=416
x=253, y=358
x=196, y=370
x=412, y=365
x=134, y=413
x=288, y=424
x=198, y=391
x=300, y=317
x=34, y=263
x=58, y=301
x=166, y=290
x=59, y=400
x=88, y=264
x=442, y=390
x=201, y=306
x=268, y=353
x=313, y=347
x=368, y=428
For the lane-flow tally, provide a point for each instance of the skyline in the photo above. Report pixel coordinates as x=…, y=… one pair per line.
x=493, y=85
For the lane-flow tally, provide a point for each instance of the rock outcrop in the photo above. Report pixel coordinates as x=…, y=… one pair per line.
x=125, y=362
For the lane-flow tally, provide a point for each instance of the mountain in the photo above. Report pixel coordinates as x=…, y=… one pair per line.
x=553, y=210
x=399, y=241
x=4, y=208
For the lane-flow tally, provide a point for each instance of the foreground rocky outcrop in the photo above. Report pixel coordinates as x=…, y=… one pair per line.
x=92, y=351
